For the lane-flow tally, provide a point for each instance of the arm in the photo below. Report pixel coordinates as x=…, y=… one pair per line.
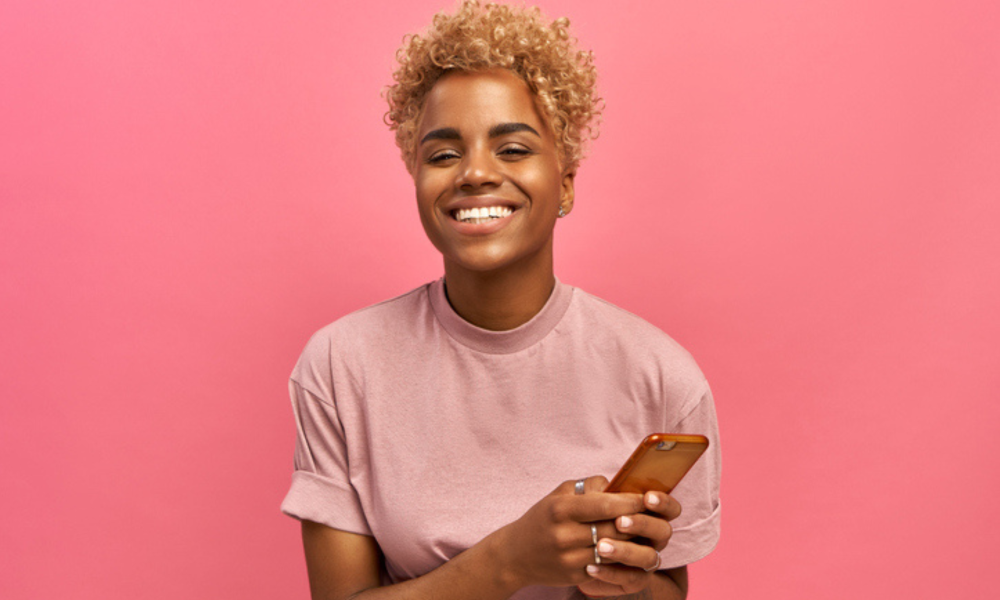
x=673, y=584
x=340, y=564
x=345, y=566
x=549, y=545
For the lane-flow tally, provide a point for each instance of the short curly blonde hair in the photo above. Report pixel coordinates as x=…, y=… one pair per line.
x=479, y=37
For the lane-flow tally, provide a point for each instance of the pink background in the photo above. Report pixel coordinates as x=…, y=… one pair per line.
x=805, y=194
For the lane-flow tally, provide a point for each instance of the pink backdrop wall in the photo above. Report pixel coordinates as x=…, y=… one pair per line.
x=804, y=194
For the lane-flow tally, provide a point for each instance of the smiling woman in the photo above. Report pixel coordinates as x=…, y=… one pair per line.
x=487, y=147
x=433, y=427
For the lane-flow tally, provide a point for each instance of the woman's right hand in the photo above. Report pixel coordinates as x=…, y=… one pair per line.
x=552, y=543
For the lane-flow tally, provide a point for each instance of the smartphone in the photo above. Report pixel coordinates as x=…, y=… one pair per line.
x=659, y=463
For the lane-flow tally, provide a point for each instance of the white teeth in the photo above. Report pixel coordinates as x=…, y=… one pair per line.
x=491, y=212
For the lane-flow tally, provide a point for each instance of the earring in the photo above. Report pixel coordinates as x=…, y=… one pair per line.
x=562, y=212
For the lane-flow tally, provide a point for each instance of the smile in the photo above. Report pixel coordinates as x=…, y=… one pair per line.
x=481, y=215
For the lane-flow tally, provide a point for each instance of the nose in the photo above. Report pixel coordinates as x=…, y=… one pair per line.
x=478, y=169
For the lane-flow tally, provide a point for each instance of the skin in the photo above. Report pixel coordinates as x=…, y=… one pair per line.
x=482, y=135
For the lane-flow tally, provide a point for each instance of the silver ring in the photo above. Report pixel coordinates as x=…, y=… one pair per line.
x=578, y=488
x=656, y=566
x=597, y=557
x=593, y=533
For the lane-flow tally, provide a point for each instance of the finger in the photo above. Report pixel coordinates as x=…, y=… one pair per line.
x=596, y=507
x=596, y=483
x=627, y=553
x=566, y=487
x=663, y=504
x=656, y=529
x=589, y=536
x=626, y=579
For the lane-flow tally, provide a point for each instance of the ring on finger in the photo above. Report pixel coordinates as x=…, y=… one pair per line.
x=597, y=557
x=578, y=488
x=593, y=533
x=656, y=566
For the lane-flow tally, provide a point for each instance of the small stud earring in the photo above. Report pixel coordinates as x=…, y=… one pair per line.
x=562, y=212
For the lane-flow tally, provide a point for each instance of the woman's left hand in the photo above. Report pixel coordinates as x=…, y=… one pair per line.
x=624, y=563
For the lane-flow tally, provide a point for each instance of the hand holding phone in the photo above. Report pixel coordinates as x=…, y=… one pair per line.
x=657, y=465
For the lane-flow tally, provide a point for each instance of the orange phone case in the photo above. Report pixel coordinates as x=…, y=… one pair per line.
x=659, y=463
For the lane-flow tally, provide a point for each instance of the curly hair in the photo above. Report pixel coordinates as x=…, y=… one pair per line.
x=479, y=37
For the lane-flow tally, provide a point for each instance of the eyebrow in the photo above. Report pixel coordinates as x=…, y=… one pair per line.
x=505, y=128
x=450, y=133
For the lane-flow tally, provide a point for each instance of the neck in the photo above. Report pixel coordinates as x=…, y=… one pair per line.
x=499, y=300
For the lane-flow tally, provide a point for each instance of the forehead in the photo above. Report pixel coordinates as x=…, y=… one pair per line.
x=470, y=101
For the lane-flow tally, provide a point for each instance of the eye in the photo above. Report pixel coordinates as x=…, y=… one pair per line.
x=442, y=156
x=514, y=152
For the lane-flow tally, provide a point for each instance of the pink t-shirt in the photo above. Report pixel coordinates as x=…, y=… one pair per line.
x=429, y=433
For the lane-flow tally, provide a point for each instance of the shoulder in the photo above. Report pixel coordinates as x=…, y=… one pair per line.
x=371, y=318
x=630, y=337
x=359, y=333
x=607, y=319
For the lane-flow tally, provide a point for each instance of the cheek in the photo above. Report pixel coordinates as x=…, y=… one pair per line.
x=543, y=177
x=427, y=193
x=543, y=186
x=425, y=200
x=429, y=186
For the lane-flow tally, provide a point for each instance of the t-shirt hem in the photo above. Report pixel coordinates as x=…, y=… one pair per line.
x=313, y=497
x=703, y=546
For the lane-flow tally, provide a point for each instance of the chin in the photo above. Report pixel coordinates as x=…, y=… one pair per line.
x=481, y=264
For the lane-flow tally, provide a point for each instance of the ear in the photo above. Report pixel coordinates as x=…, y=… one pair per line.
x=566, y=197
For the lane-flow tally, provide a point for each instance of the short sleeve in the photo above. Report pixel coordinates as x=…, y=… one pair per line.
x=321, y=489
x=696, y=531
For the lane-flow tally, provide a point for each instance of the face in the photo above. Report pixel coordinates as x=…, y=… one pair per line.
x=488, y=178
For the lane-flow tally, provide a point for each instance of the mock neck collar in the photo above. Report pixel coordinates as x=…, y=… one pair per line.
x=500, y=342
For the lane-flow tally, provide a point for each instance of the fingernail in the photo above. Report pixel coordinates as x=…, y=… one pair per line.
x=653, y=499
x=625, y=522
x=605, y=548
x=593, y=569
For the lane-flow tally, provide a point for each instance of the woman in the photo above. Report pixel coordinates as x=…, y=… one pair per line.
x=432, y=427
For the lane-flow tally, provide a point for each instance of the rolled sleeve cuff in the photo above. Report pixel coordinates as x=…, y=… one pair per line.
x=692, y=542
x=322, y=500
